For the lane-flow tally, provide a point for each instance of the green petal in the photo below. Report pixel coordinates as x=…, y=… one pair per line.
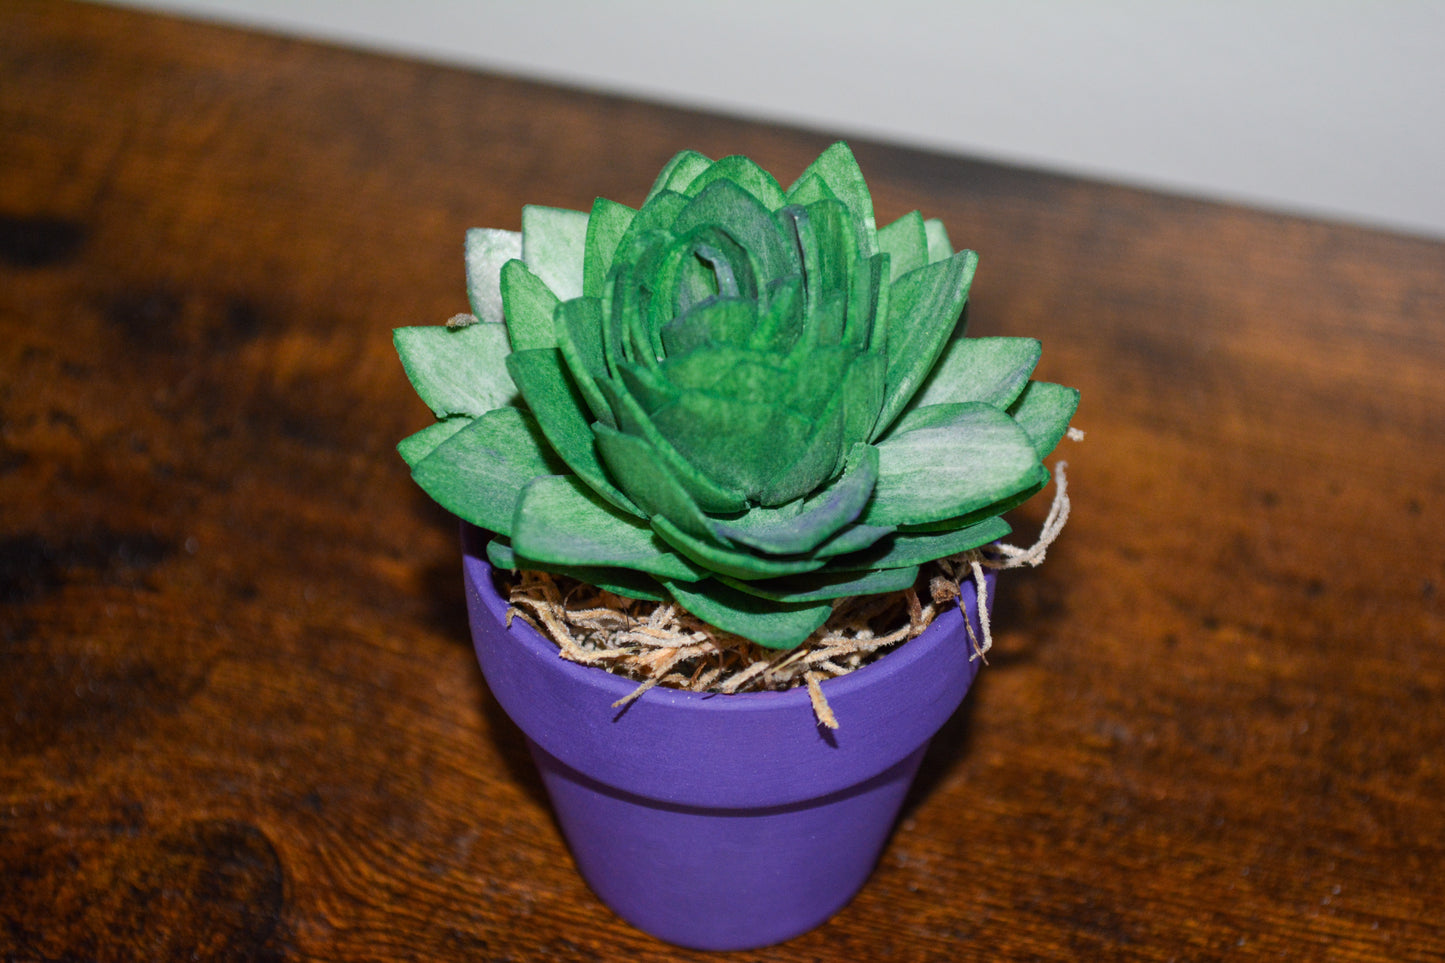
x=905, y=241
x=487, y=250
x=563, y=416
x=1044, y=410
x=818, y=587
x=980, y=457
x=992, y=370
x=457, y=371
x=413, y=448
x=560, y=521
x=478, y=473
x=619, y=581
x=554, y=240
x=770, y=624
x=605, y=229
x=923, y=310
x=529, y=307
x=838, y=168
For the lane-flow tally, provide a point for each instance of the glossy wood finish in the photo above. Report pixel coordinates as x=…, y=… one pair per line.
x=239, y=715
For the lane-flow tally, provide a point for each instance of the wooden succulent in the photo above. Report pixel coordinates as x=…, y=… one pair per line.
x=748, y=399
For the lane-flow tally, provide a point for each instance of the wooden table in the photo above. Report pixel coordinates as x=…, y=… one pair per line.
x=239, y=714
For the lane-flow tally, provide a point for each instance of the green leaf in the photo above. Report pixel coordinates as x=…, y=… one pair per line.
x=457, y=371
x=678, y=173
x=939, y=246
x=478, y=473
x=705, y=491
x=815, y=460
x=487, y=250
x=818, y=587
x=825, y=235
x=623, y=306
x=619, y=581
x=710, y=367
x=745, y=173
x=905, y=241
x=925, y=416
x=867, y=301
x=916, y=548
x=992, y=370
x=650, y=389
x=1043, y=411
x=923, y=309
x=809, y=188
x=781, y=316
x=562, y=414
x=578, y=326
x=643, y=474
x=980, y=457
x=413, y=448
x=853, y=538
x=729, y=208
x=762, y=442
x=606, y=227
x=724, y=561
x=838, y=504
x=651, y=227
x=704, y=265
x=554, y=241
x=560, y=521
x=838, y=169
x=770, y=624
x=977, y=516
x=729, y=321
x=529, y=306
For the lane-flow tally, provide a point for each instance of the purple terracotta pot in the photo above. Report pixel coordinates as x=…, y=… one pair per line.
x=720, y=821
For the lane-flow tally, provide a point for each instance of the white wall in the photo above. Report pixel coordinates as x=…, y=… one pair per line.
x=1333, y=108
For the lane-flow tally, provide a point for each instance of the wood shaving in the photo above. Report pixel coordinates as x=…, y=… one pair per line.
x=659, y=643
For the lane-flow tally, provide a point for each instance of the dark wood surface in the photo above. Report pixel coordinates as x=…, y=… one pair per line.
x=239, y=714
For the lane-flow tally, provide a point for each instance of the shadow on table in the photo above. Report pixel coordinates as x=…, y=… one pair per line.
x=1027, y=605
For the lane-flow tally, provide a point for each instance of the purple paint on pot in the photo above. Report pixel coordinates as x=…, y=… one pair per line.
x=721, y=821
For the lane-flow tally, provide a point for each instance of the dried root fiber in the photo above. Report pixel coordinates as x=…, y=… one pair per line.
x=659, y=643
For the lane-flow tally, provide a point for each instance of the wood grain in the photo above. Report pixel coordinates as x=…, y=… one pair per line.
x=240, y=719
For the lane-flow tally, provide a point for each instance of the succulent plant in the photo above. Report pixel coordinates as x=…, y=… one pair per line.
x=748, y=399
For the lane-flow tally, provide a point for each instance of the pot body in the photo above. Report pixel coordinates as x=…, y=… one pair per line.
x=721, y=821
